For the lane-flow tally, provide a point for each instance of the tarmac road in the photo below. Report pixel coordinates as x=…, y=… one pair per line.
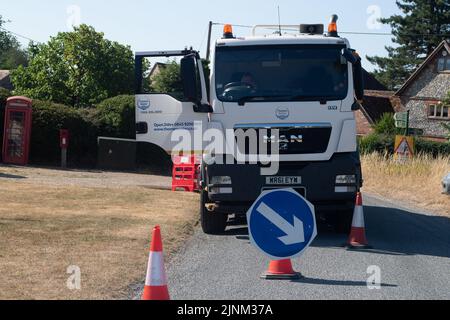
x=411, y=249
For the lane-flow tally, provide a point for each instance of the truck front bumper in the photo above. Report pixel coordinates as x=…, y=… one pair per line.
x=317, y=185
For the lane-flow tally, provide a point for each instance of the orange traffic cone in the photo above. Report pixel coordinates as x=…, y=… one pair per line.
x=357, y=238
x=156, y=281
x=281, y=270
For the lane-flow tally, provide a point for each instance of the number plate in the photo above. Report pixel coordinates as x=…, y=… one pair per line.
x=289, y=180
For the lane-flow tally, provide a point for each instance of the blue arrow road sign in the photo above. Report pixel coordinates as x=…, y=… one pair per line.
x=281, y=223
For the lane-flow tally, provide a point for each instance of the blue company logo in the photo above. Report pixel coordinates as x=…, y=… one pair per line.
x=282, y=223
x=143, y=104
x=282, y=113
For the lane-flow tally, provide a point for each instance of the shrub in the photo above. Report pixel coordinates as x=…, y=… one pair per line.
x=115, y=117
x=432, y=147
x=376, y=143
x=4, y=94
x=386, y=125
x=385, y=144
x=48, y=119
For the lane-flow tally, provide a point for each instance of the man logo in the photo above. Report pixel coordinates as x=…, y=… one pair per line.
x=282, y=113
x=284, y=140
x=143, y=104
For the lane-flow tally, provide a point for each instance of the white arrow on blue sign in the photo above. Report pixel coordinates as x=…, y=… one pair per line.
x=282, y=223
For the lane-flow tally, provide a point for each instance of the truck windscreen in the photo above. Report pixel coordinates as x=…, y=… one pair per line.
x=281, y=73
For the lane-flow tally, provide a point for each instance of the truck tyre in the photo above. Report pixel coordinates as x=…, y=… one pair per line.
x=343, y=222
x=212, y=222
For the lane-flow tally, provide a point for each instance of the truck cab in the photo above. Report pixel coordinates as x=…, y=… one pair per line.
x=289, y=97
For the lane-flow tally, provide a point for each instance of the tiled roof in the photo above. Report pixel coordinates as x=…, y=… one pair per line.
x=444, y=44
x=371, y=83
x=4, y=74
x=5, y=81
x=376, y=103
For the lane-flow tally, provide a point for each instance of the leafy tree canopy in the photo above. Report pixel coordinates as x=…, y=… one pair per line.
x=78, y=68
x=168, y=80
x=417, y=32
x=11, y=54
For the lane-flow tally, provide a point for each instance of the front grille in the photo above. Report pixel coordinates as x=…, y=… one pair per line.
x=294, y=140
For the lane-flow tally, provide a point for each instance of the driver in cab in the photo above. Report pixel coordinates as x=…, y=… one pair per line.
x=247, y=79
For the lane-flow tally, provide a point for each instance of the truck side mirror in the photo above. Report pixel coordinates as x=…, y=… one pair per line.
x=358, y=79
x=348, y=55
x=189, y=78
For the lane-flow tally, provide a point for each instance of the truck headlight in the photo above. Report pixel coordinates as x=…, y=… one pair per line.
x=220, y=180
x=346, y=179
x=217, y=190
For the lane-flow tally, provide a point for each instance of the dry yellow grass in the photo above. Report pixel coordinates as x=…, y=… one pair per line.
x=417, y=182
x=104, y=231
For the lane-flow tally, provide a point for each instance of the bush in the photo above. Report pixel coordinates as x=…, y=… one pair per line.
x=48, y=119
x=386, y=125
x=115, y=117
x=376, y=143
x=385, y=144
x=432, y=147
x=4, y=94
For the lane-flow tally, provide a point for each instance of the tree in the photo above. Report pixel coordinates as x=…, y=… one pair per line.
x=169, y=79
x=79, y=69
x=423, y=25
x=11, y=54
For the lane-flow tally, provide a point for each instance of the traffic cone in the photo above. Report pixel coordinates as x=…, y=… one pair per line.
x=281, y=270
x=156, y=281
x=357, y=238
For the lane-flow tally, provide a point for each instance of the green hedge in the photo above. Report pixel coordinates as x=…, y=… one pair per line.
x=4, y=94
x=432, y=147
x=114, y=117
x=385, y=144
x=48, y=119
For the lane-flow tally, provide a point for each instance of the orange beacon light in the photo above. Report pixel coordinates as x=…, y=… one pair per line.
x=228, y=31
x=332, y=27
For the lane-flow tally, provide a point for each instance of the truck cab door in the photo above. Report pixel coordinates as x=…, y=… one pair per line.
x=175, y=125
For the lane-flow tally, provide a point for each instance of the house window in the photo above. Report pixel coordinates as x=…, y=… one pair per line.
x=443, y=63
x=438, y=111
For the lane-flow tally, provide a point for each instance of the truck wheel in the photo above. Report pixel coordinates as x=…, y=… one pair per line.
x=212, y=222
x=343, y=223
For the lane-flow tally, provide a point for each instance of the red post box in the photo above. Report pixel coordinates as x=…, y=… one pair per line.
x=17, y=130
x=64, y=138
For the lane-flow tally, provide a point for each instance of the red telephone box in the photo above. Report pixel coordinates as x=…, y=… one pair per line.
x=16, y=137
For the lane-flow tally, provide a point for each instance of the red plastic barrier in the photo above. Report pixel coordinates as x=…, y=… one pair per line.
x=185, y=174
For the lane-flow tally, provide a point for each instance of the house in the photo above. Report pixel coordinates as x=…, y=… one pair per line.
x=422, y=94
x=376, y=102
x=5, y=80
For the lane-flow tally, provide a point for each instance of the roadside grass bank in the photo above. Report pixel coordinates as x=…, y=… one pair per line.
x=104, y=231
x=417, y=182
